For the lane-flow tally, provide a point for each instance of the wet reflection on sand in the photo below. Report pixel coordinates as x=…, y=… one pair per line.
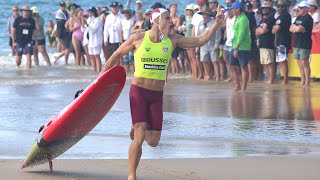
x=258, y=102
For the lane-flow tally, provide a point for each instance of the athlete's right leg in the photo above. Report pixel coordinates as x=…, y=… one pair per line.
x=135, y=150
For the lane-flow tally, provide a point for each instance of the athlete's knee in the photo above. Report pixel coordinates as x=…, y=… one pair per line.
x=153, y=138
x=139, y=131
x=153, y=143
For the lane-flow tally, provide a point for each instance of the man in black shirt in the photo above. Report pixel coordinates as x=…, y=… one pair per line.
x=266, y=41
x=22, y=32
x=302, y=31
x=283, y=37
x=253, y=63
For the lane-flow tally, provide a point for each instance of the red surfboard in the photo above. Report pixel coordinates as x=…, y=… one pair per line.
x=77, y=119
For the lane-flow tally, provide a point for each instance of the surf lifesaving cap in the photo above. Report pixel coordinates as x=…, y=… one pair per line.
x=157, y=13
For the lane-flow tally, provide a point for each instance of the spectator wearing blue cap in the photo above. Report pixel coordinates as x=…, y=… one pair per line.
x=241, y=47
x=112, y=29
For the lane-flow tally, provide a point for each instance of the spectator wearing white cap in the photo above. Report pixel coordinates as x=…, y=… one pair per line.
x=139, y=5
x=302, y=32
x=313, y=11
x=112, y=29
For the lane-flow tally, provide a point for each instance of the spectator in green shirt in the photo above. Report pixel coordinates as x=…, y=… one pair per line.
x=241, y=47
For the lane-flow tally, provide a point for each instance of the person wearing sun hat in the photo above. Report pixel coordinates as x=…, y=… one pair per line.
x=266, y=41
x=41, y=38
x=209, y=52
x=302, y=32
x=283, y=37
x=152, y=52
x=196, y=19
x=189, y=12
x=24, y=28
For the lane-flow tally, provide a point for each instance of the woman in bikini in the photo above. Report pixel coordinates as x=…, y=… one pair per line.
x=77, y=35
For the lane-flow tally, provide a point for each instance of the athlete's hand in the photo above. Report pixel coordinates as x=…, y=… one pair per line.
x=220, y=16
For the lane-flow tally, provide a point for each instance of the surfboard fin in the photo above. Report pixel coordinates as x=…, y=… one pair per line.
x=50, y=163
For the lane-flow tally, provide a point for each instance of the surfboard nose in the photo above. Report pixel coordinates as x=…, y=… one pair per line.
x=23, y=166
x=36, y=156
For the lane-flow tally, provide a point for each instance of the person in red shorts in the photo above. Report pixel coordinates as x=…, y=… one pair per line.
x=152, y=52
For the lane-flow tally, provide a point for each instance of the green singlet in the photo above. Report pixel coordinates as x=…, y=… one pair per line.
x=151, y=60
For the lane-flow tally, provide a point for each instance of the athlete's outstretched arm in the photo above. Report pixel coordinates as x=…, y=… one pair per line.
x=124, y=49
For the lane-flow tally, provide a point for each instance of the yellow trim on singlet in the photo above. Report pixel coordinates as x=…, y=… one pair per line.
x=151, y=60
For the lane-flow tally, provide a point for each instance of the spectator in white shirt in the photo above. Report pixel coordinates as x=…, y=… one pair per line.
x=197, y=18
x=313, y=11
x=112, y=29
x=94, y=27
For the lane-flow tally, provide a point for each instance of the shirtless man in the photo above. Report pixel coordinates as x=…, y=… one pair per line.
x=152, y=51
x=176, y=23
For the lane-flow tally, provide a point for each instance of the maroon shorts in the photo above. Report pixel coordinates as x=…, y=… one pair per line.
x=146, y=106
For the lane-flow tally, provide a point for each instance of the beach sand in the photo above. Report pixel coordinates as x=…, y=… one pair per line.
x=295, y=167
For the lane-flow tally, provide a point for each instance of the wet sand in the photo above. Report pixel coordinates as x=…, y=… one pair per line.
x=259, y=101
x=299, y=167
